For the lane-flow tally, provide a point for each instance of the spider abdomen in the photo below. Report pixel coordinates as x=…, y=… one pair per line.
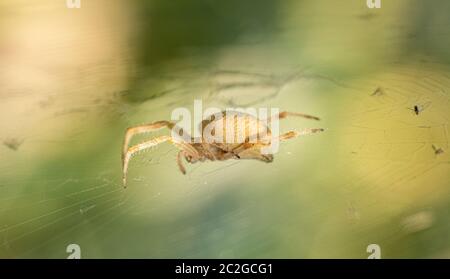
x=229, y=130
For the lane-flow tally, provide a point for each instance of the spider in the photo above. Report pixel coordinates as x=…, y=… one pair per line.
x=194, y=152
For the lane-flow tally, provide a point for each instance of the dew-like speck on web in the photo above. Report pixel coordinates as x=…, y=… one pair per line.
x=86, y=209
x=138, y=179
x=417, y=222
x=13, y=143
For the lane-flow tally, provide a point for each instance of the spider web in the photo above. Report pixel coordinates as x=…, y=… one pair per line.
x=390, y=150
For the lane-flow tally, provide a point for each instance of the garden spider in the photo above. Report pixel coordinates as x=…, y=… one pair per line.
x=193, y=151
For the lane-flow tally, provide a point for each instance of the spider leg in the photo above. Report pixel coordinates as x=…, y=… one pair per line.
x=294, y=134
x=180, y=162
x=238, y=149
x=185, y=147
x=136, y=148
x=285, y=114
x=132, y=131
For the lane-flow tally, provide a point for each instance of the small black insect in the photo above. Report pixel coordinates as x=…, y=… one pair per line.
x=419, y=108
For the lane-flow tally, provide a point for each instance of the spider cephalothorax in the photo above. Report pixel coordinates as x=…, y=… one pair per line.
x=221, y=147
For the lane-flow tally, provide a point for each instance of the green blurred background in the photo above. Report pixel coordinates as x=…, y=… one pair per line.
x=72, y=81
